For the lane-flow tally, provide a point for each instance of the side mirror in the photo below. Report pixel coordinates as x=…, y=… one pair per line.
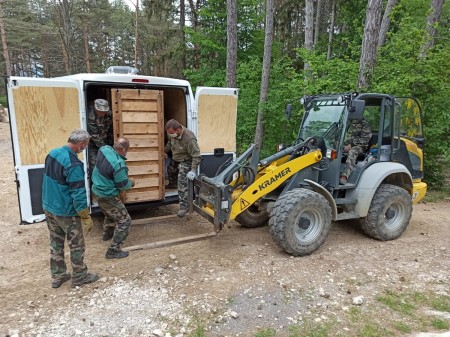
x=288, y=111
x=356, y=109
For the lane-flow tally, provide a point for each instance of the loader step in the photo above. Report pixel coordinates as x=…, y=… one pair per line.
x=345, y=201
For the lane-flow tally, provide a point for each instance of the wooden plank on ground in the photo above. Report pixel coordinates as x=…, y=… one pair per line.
x=171, y=242
x=147, y=221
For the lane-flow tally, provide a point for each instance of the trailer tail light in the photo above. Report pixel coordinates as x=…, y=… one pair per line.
x=139, y=80
x=332, y=154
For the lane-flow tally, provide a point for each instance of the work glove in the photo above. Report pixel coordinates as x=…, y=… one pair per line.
x=191, y=175
x=86, y=221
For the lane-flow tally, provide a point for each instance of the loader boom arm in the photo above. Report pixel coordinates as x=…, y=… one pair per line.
x=220, y=199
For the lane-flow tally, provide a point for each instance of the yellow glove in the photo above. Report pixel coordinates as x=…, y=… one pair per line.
x=86, y=220
x=87, y=224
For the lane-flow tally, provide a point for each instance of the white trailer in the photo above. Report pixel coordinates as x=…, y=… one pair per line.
x=43, y=112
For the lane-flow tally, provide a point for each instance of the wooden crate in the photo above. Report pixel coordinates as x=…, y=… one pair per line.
x=138, y=115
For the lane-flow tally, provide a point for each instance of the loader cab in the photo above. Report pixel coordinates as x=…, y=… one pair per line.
x=395, y=124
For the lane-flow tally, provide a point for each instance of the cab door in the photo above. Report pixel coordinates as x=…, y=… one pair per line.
x=216, y=127
x=43, y=112
x=408, y=129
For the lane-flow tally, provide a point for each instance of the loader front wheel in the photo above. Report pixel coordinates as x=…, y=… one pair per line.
x=254, y=216
x=300, y=221
x=389, y=213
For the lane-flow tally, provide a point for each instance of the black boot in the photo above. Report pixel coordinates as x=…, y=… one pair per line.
x=116, y=254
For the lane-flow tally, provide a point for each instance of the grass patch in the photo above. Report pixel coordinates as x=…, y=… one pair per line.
x=231, y=300
x=199, y=331
x=372, y=330
x=310, y=329
x=439, y=324
x=267, y=332
x=441, y=303
x=399, y=303
x=436, y=195
x=354, y=313
x=402, y=327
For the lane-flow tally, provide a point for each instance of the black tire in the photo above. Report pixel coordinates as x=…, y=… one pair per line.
x=300, y=221
x=253, y=217
x=389, y=213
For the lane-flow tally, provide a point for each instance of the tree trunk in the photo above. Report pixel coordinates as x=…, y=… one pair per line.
x=369, y=45
x=309, y=24
x=136, y=31
x=259, y=132
x=65, y=31
x=231, y=43
x=86, y=46
x=182, y=36
x=331, y=29
x=386, y=22
x=4, y=44
x=318, y=18
x=432, y=19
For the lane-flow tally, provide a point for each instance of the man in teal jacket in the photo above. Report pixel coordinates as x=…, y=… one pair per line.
x=65, y=205
x=109, y=178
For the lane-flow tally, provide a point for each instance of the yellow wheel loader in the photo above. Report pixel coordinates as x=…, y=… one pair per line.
x=297, y=190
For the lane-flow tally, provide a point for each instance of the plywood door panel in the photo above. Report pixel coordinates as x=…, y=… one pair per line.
x=217, y=128
x=138, y=116
x=45, y=116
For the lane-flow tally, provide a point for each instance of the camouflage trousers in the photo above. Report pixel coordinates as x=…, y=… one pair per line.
x=92, y=159
x=183, y=169
x=350, y=163
x=172, y=172
x=60, y=228
x=117, y=219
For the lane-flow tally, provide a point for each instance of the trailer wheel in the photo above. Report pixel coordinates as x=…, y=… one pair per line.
x=389, y=213
x=300, y=221
x=254, y=216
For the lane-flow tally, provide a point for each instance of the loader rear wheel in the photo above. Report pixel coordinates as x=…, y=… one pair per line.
x=300, y=221
x=389, y=213
x=252, y=217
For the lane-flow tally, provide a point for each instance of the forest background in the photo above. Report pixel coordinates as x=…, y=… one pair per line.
x=283, y=49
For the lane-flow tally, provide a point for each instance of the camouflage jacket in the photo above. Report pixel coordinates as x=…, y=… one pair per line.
x=100, y=129
x=360, y=133
x=184, y=148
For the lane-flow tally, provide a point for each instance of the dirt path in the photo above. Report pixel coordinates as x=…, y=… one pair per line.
x=236, y=284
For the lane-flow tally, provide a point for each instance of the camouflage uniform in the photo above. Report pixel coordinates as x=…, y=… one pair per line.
x=109, y=178
x=360, y=137
x=186, y=156
x=117, y=220
x=172, y=172
x=101, y=131
x=61, y=227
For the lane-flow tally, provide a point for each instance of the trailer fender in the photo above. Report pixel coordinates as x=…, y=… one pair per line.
x=324, y=192
x=376, y=174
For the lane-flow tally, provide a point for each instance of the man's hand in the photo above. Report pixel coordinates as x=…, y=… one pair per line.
x=86, y=220
x=133, y=182
x=347, y=148
x=191, y=175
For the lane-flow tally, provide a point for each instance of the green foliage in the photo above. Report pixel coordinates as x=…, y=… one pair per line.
x=402, y=327
x=3, y=101
x=396, y=302
x=440, y=324
x=441, y=303
x=266, y=332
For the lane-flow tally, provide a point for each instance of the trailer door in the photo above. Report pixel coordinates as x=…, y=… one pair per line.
x=216, y=127
x=43, y=112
